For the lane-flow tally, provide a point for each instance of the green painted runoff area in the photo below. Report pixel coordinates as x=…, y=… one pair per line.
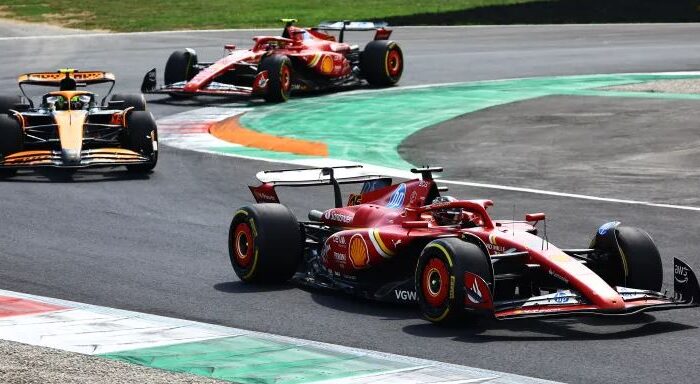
x=247, y=359
x=368, y=126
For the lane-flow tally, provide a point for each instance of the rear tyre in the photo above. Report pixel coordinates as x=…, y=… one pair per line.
x=142, y=137
x=181, y=66
x=382, y=63
x=628, y=257
x=279, y=83
x=11, y=141
x=127, y=100
x=440, y=275
x=265, y=243
x=9, y=102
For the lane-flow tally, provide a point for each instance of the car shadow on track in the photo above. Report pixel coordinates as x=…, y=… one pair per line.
x=51, y=175
x=241, y=287
x=488, y=330
x=361, y=306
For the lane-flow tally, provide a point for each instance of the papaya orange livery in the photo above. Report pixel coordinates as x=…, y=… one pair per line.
x=72, y=128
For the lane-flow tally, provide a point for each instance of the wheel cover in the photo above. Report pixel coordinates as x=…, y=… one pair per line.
x=435, y=280
x=243, y=245
x=285, y=78
x=394, y=63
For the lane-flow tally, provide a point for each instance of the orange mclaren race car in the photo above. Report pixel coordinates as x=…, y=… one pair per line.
x=71, y=129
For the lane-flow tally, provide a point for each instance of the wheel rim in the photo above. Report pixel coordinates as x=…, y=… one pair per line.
x=435, y=281
x=393, y=63
x=243, y=245
x=285, y=79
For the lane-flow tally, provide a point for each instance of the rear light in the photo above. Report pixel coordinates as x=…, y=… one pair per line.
x=118, y=118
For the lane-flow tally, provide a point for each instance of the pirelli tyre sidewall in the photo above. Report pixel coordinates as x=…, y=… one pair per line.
x=265, y=243
x=439, y=278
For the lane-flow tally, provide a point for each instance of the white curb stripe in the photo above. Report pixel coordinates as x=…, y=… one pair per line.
x=92, y=329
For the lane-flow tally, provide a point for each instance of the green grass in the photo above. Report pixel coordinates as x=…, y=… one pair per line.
x=151, y=15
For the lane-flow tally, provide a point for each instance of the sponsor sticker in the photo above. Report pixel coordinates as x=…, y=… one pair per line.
x=680, y=274
x=396, y=199
x=405, y=295
x=357, y=250
x=603, y=230
x=331, y=215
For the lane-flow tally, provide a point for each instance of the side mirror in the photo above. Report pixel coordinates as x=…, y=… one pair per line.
x=230, y=47
x=534, y=217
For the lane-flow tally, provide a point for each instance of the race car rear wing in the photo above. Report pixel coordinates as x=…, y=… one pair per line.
x=66, y=79
x=382, y=33
x=307, y=177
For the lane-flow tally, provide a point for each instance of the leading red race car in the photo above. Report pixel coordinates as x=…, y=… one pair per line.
x=408, y=243
x=302, y=59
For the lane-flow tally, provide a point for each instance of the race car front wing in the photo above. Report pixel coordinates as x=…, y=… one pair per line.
x=150, y=85
x=569, y=303
x=88, y=158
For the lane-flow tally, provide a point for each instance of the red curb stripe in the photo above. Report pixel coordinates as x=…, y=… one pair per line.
x=12, y=306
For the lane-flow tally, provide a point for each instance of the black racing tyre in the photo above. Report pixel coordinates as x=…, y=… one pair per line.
x=127, y=100
x=279, y=72
x=9, y=102
x=265, y=243
x=440, y=274
x=628, y=258
x=181, y=66
x=11, y=141
x=382, y=63
x=142, y=137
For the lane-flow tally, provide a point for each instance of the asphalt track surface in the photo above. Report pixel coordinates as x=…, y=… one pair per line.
x=158, y=244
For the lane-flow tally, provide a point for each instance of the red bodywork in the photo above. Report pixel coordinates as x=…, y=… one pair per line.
x=311, y=48
x=381, y=225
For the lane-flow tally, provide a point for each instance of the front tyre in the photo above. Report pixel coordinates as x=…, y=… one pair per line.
x=382, y=63
x=181, y=66
x=265, y=243
x=142, y=138
x=627, y=257
x=127, y=100
x=279, y=83
x=440, y=276
x=11, y=141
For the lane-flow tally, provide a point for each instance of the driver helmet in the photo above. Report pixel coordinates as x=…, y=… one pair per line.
x=447, y=216
x=76, y=103
x=60, y=103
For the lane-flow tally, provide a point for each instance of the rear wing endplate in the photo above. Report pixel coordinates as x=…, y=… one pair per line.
x=307, y=177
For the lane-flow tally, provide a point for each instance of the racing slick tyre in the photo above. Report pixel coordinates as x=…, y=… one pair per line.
x=627, y=257
x=11, y=141
x=440, y=276
x=382, y=63
x=265, y=244
x=181, y=66
x=127, y=100
x=279, y=83
x=142, y=137
x=9, y=102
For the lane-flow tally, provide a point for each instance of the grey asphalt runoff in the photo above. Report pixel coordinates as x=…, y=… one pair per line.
x=158, y=244
x=627, y=148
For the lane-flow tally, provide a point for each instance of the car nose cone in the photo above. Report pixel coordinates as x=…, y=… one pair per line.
x=70, y=156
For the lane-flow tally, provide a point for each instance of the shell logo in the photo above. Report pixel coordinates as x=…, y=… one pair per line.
x=327, y=64
x=357, y=250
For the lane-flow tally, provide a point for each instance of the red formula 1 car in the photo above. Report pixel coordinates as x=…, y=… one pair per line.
x=408, y=243
x=302, y=59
